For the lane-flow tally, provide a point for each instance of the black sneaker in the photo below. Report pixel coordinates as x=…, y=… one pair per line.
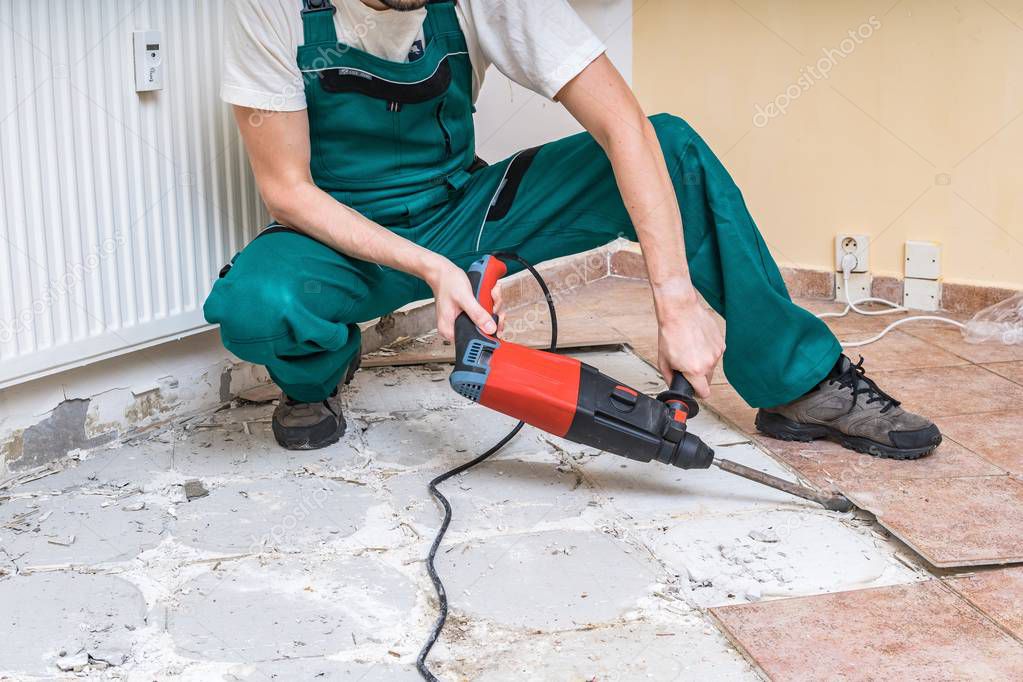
x=851, y=410
x=310, y=426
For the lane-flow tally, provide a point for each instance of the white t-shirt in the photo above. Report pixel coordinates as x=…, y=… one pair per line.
x=539, y=44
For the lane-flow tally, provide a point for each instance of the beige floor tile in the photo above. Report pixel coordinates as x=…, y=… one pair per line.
x=1013, y=371
x=995, y=436
x=898, y=350
x=943, y=391
x=922, y=631
x=951, y=339
x=950, y=521
x=830, y=465
x=997, y=594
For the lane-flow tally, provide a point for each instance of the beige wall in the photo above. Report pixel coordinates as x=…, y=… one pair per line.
x=916, y=131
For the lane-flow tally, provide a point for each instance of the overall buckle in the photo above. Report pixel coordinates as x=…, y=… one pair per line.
x=310, y=6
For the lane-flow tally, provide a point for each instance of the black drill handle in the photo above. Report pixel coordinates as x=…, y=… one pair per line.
x=681, y=391
x=681, y=385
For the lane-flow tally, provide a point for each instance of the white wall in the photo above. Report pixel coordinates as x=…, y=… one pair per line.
x=510, y=118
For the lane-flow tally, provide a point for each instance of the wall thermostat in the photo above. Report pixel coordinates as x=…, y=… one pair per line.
x=148, y=60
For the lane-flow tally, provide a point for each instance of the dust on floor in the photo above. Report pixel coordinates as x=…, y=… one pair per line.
x=561, y=563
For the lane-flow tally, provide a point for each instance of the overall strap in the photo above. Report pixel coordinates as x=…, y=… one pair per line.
x=441, y=18
x=318, y=21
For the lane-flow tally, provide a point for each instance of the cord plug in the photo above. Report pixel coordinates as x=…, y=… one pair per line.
x=848, y=264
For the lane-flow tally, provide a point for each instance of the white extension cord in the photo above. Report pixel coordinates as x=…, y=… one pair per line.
x=848, y=263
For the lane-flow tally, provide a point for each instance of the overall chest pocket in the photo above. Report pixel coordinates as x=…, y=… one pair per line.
x=379, y=126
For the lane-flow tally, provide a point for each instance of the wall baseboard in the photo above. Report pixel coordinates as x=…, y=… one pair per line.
x=808, y=283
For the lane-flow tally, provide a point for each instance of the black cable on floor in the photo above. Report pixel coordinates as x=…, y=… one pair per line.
x=442, y=597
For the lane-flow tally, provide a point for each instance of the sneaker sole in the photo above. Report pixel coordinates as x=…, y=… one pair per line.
x=782, y=428
x=306, y=440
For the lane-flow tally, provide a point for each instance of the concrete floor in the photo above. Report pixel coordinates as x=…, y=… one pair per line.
x=561, y=563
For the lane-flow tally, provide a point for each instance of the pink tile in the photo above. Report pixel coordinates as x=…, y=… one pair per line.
x=997, y=594
x=950, y=521
x=1013, y=371
x=898, y=350
x=944, y=391
x=951, y=339
x=727, y=404
x=995, y=436
x=920, y=632
x=830, y=465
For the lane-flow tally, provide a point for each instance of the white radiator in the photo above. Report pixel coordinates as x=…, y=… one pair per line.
x=117, y=209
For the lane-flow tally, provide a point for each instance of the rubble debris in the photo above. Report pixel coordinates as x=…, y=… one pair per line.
x=261, y=394
x=767, y=535
x=30, y=475
x=194, y=489
x=70, y=540
x=73, y=663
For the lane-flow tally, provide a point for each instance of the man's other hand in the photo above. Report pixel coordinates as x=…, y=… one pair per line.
x=689, y=341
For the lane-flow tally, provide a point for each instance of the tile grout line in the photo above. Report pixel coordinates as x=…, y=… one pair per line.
x=945, y=583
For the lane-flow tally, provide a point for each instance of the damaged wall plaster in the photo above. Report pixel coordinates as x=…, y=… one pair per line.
x=90, y=406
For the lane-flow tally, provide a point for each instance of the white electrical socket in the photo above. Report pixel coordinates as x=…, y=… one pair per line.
x=859, y=287
x=856, y=244
x=921, y=294
x=923, y=260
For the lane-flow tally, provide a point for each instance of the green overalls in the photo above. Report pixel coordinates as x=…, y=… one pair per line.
x=395, y=141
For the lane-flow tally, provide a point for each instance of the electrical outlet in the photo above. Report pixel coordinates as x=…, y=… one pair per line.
x=856, y=244
x=921, y=294
x=859, y=286
x=923, y=260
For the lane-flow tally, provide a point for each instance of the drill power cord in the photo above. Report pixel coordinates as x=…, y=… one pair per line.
x=438, y=585
x=851, y=305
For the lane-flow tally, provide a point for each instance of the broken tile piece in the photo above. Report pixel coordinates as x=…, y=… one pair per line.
x=997, y=594
x=906, y=632
x=950, y=521
x=261, y=393
x=194, y=489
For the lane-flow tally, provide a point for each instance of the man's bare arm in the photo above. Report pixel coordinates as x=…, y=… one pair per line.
x=602, y=102
x=279, y=151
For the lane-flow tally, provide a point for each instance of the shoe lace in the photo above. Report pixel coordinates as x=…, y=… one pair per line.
x=855, y=378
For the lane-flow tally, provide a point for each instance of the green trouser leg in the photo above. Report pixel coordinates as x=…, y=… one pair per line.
x=290, y=303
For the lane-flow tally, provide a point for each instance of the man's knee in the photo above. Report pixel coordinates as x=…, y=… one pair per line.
x=250, y=309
